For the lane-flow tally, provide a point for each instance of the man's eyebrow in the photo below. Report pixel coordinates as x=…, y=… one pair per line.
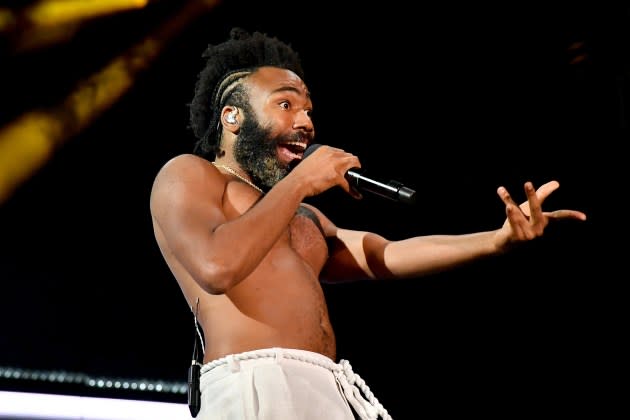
x=291, y=89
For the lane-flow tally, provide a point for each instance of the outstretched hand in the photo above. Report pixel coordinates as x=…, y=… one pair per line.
x=528, y=221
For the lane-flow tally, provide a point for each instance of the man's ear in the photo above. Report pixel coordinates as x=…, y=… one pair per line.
x=229, y=117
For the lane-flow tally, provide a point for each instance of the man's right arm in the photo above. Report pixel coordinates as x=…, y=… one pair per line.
x=217, y=249
x=189, y=204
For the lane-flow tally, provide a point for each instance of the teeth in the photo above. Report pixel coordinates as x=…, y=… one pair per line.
x=298, y=144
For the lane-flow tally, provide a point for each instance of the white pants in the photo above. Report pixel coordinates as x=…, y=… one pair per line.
x=282, y=384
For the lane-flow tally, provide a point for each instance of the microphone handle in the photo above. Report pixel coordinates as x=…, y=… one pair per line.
x=392, y=190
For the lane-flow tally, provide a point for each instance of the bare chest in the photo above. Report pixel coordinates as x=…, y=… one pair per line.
x=306, y=238
x=304, y=235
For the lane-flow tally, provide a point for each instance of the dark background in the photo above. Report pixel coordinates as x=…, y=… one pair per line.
x=452, y=100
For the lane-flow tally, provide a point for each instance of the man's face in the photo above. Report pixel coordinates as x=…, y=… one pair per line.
x=277, y=126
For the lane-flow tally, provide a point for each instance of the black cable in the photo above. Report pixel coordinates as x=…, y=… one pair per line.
x=194, y=371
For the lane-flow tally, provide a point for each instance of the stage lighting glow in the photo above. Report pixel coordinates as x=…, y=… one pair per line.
x=51, y=12
x=7, y=20
x=28, y=142
x=26, y=405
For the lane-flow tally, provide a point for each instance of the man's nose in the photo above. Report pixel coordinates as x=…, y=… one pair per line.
x=303, y=121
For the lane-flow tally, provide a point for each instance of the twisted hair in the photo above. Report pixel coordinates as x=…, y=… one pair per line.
x=220, y=81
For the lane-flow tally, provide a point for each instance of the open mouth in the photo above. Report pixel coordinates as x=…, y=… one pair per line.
x=291, y=151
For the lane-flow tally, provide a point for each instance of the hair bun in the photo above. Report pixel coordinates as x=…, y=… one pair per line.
x=239, y=33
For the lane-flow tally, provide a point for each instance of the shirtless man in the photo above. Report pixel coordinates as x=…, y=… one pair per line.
x=232, y=225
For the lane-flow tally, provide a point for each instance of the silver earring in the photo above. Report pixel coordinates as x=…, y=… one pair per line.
x=231, y=117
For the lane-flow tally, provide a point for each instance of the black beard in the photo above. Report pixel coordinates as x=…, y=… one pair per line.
x=255, y=152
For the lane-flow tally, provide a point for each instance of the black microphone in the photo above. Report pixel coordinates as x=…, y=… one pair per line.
x=392, y=190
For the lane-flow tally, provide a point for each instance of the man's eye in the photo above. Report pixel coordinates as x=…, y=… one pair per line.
x=285, y=105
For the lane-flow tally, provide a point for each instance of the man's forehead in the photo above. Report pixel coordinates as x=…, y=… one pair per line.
x=273, y=78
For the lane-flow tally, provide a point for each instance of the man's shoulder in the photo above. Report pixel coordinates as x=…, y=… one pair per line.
x=183, y=165
x=185, y=169
x=184, y=159
x=185, y=176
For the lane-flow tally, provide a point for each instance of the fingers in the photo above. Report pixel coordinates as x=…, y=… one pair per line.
x=506, y=198
x=566, y=214
x=515, y=216
x=331, y=165
x=535, y=198
x=528, y=220
x=534, y=201
x=343, y=160
x=547, y=188
x=516, y=220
